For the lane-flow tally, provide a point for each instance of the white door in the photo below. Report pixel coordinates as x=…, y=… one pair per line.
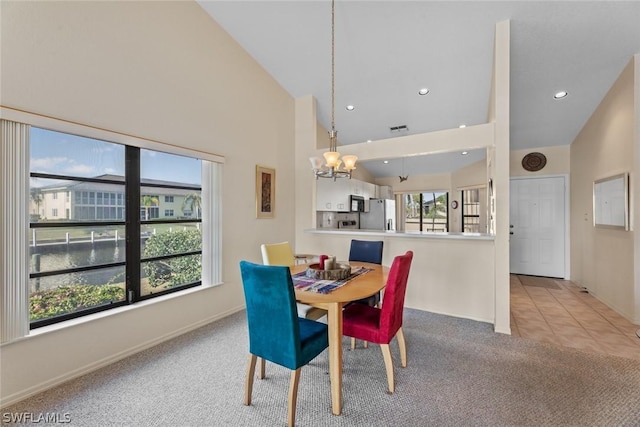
x=537, y=226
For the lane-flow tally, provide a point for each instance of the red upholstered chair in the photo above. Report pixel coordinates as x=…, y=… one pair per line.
x=380, y=325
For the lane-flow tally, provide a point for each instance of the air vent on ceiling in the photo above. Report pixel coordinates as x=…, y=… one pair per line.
x=401, y=128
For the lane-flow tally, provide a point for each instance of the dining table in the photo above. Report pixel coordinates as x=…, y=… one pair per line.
x=361, y=286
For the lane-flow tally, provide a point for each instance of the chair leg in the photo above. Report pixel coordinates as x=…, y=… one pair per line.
x=388, y=364
x=261, y=371
x=365, y=344
x=403, y=347
x=293, y=396
x=248, y=387
x=353, y=343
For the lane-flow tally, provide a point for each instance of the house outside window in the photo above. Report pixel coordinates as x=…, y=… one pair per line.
x=79, y=266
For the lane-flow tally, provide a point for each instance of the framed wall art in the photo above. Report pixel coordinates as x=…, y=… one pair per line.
x=611, y=202
x=265, y=192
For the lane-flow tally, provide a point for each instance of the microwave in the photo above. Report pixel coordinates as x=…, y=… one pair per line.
x=357, y=203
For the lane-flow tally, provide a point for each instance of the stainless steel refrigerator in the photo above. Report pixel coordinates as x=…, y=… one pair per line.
x=381, y=215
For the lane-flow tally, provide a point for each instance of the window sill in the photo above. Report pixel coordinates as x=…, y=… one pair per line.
x=112, y=312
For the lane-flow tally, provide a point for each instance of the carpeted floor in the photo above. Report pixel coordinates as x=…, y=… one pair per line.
x=459, y=373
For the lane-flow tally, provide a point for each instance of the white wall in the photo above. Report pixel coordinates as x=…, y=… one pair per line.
x=602, y=259
x=448, y=275
x=167, y=72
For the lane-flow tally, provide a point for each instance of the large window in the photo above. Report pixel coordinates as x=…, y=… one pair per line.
x=426, y=211
x=117, y=244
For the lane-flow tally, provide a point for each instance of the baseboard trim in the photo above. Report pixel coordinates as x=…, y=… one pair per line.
x=39, y=388
x=477, y=319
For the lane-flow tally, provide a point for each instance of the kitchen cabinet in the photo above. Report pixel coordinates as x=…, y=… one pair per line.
x=385, y=192
x=334, y=195
x=369, y=190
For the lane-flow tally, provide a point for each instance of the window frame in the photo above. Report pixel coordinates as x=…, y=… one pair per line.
x=465, y=205
x=131, y=185
x=17, y=125
x=421, y=210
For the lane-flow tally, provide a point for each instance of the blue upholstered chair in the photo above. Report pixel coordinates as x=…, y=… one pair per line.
x=367, y=251
x=276, y=333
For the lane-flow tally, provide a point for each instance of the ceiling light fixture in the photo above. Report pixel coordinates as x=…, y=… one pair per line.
x=423, y=91
x=350, y=107
x=462, y=126
x=464, y=153
x=333, y=162
x=560, y=95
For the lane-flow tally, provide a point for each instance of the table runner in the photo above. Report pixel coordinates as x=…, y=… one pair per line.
x=304, y=283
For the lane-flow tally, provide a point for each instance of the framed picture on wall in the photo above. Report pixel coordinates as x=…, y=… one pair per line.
x=611, y=202
x=265, y=192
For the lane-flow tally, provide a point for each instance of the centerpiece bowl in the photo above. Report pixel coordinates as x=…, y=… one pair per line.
x=342, y=271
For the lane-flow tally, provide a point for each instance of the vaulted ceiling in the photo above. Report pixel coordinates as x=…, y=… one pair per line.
x=386, y=51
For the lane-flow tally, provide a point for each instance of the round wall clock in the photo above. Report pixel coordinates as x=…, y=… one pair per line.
x=534, y=161
x=454, y=204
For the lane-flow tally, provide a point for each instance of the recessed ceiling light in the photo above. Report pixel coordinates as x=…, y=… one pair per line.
x=350, y=108
x=464, y=153
x=386, y=162
x=368, y=141
x=560, y=95
x=462, y=126
x=423, y=91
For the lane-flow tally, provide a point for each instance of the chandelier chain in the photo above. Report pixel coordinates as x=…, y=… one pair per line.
x=333, y=62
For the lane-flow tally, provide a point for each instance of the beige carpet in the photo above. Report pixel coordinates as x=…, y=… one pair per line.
x=459, y=373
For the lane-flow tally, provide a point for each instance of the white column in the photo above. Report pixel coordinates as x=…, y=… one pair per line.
x=14, y=229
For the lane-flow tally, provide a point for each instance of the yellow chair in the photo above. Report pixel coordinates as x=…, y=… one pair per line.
x=281, y=254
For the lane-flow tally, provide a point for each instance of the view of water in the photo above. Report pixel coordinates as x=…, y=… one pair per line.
x=63, y=256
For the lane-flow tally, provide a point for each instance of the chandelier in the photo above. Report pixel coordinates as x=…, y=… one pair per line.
x=335, y=167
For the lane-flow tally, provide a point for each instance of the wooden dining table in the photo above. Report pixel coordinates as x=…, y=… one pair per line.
x=362, y=286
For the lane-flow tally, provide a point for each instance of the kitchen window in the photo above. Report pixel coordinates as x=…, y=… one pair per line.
x=426, y=211
x=471, y=210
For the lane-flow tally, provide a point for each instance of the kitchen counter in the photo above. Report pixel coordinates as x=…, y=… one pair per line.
x=403, y=234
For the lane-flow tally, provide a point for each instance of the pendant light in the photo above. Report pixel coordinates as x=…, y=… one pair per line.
x=333, y=167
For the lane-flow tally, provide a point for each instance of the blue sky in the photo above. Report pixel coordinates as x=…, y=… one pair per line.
x=65, y=154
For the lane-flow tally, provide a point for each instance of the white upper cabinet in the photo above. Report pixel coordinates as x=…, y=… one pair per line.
x=385, y=192
x=334, y=195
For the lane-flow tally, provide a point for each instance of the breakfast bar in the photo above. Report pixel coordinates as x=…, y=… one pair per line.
x=452, y=273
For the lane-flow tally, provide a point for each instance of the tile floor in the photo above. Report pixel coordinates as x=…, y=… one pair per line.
x=568, y=316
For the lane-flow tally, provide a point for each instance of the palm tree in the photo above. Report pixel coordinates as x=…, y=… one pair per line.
x=36, y=197
x=194, y=201
x=147, y=202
